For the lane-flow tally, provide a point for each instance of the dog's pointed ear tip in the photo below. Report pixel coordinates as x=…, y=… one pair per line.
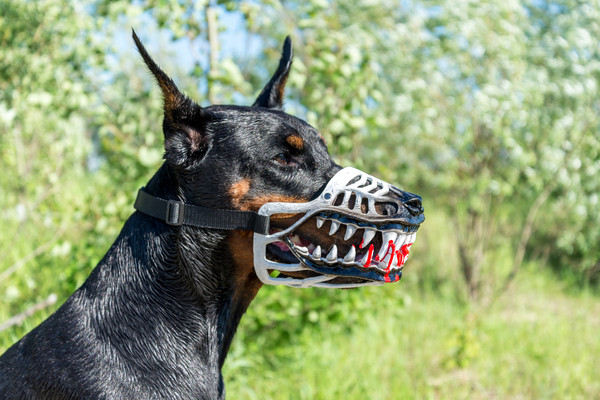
x=287, y=44
x=138, y=43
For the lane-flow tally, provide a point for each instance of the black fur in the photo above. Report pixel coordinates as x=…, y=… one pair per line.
x=156, y=317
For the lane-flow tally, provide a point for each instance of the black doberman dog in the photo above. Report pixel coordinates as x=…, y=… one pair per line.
x=156, y=317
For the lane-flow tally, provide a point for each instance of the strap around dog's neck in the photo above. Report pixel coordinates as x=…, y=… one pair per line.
x=177, y=213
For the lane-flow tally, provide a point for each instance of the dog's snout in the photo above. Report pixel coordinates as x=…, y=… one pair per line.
x=410, y=201
x=386, y=208
x=414, y=205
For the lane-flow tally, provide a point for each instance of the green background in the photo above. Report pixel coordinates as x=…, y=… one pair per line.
x=488, y=109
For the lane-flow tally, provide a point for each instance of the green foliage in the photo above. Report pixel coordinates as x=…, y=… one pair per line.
x=44, y=142
x=537, y=343
x=487, y=109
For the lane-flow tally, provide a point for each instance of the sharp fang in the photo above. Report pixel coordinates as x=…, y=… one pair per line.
x=335, y=225
x=332, y=256
x=301, y=249
x=401, y=241
x=350, y=231
x=386, y=261
x=351, y=254
x=317, y=253
x=320, y=222
x=411, y=238
x=368, y=236
x=388, y=236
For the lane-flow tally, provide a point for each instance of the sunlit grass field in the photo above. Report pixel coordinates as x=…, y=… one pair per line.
x=536, y=342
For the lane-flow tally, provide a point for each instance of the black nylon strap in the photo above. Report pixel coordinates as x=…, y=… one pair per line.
x=177, y=213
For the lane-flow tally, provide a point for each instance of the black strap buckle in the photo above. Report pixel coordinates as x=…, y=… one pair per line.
x=174, y=213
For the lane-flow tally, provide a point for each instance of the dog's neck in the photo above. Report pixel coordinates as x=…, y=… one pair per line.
x=201, y=278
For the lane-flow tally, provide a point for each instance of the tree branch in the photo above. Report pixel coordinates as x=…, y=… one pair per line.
x=525, y=235
x=213, y=43
x=19, y=318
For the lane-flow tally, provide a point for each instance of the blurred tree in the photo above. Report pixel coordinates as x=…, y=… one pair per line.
x=491, y=108
x=44, y=138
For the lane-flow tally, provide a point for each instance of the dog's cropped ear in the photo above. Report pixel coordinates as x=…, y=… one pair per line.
x=184, y=120
x=272, y=94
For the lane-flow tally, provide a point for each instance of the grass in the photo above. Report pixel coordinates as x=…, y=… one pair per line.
x=536, y=342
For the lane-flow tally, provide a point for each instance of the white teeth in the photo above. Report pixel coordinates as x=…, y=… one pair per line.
x=411, y=238
x=382, y=252
x=320, y=222
x=389, y=236
x=400, y=241
x=368, y=236
x=317, y=253
x=387, y=258
x=332, y=256
x=399, y=237
x=388, y=262
x=351, y=254
x=350, y=231
x=296, y=239
x=335, y=225
x=364, y=260
x=301, y=249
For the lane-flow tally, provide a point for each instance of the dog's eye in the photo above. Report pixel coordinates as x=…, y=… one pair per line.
x=282, y=158
x=285, y=159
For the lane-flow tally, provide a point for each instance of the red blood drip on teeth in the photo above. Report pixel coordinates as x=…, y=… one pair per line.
x=403, y=253
x=405, y=249
x=390, y=251
x=369, y=256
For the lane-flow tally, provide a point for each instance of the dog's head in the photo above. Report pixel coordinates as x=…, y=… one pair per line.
x=328, y=226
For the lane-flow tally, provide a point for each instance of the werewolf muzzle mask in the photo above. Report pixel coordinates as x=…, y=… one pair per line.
x=357, y=232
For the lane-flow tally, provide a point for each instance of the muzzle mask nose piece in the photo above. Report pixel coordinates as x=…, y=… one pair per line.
x=362, y=203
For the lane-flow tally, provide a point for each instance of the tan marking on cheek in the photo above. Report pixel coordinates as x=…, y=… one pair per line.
x=246, y=283
x=281, y=89
x=255, y=203
x=170, y=99
x=237, y=191
x=295, y=141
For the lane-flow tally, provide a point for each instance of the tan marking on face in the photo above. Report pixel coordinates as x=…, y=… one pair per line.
x=238, y=191
x=253, y=204
x=295, y=141
x=281, y=89
x=246, y=283
x=171, y=98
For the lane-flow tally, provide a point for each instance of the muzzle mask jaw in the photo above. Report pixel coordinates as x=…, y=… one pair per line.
x=369, y=208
